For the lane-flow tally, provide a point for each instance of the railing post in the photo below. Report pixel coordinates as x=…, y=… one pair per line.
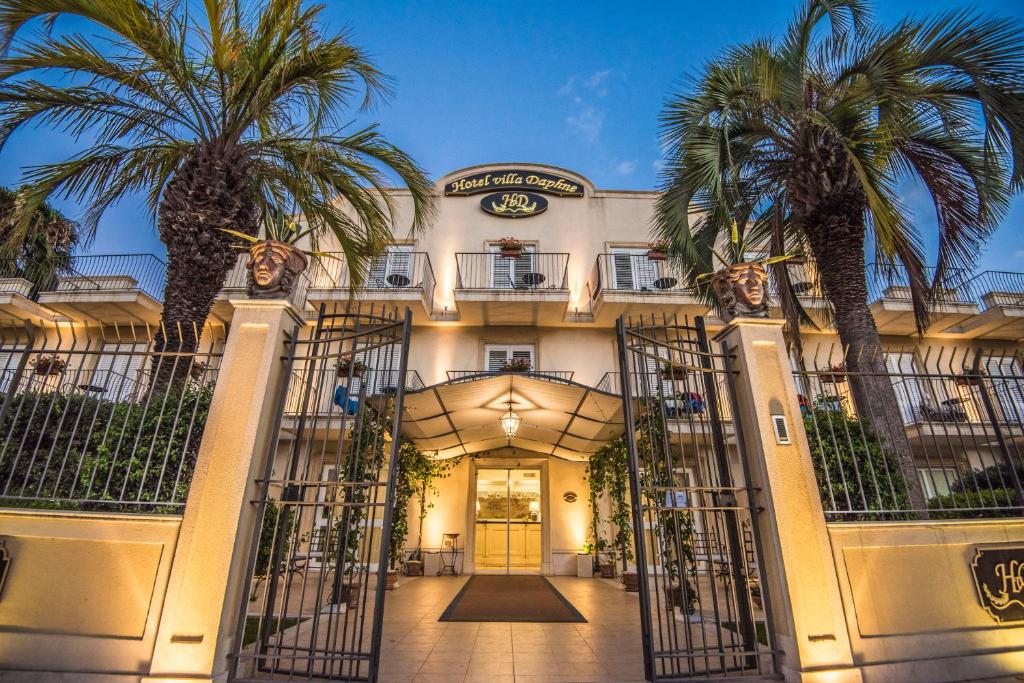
x=809, y=621
x=196, y=627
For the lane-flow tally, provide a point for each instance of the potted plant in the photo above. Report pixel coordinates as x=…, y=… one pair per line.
x=607, y=562
x=348, y=365
x=510, y=247
x=740, y=286
x=658, y=250
x=421, y=472
x=49, y=364
x=275, y=259
x=630, y=581
x=670, y=370
x=516, y=365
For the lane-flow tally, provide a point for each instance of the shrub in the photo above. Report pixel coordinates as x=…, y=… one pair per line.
x=996, y=503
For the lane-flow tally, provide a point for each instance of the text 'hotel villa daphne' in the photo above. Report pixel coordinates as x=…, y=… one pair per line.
x=525, y=447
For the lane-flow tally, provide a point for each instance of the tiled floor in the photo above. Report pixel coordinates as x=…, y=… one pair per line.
x=417, y=648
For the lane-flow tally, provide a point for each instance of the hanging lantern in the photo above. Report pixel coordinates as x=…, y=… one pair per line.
x=510, y=423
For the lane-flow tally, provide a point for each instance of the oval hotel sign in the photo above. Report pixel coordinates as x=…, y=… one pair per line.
x=532, y=181
x=514, y=204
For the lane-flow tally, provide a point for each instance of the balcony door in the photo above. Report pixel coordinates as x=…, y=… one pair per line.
x=507, y=273
x=498, y=355
x=392, y=269
x=632, y=269
x=507, y=535
x=910, y=394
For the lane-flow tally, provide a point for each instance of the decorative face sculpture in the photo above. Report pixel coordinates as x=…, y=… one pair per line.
x=741, y=290
x=273, y=266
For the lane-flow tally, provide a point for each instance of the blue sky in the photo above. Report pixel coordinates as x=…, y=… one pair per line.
x=575, y=84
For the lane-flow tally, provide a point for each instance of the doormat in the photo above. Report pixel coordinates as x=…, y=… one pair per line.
x=511, y=598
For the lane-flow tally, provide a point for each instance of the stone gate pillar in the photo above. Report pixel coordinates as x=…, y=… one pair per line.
x=810, y=625
x=199, y=617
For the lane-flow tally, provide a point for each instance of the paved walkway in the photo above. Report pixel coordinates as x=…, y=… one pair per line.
x=417, y=648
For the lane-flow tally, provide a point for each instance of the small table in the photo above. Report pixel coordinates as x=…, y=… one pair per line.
x=665, y=283
x=449, y=555
x=534, y=279
x=92, y=388
x=398, y=280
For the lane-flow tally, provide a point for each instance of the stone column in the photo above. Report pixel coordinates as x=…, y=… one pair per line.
x=200, y=611
x=810, y=626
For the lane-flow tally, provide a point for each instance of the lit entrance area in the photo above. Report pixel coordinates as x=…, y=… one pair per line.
x=508, y=523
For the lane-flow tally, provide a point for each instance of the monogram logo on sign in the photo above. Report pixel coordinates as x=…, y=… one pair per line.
x=514, y=204
x=999, y=578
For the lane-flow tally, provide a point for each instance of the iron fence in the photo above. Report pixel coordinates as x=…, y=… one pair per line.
x=93, y=418
x=919, y=432
x=529, y=272
x=556, y=375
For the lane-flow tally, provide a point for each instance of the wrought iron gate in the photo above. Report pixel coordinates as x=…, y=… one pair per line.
x=704, y=605
x=318, y=561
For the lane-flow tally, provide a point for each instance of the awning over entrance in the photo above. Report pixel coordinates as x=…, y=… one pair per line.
x=560, y=418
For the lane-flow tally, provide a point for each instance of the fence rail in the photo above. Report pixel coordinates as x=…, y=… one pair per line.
x=95, y=419
x=462, y=375
x=530, y=272
x=920, y=432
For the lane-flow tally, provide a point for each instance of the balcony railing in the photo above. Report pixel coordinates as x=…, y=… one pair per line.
x=959, y=287
x=395, y=270
x=999, y=288
x=635, y=273
x=144, y=272
x=462, y=375
x=531, y=272
x=327, y=400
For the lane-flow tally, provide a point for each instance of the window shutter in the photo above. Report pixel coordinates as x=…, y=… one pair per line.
x=908, y=390
x=623, y=268
x=507, y=273
x=400, y=261
x=497, y=356
x=378, y=271
x=8, y=364
x=119, y=370
x=1008, y=386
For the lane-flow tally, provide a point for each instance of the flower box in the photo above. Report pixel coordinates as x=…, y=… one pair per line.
x=49, y=365
x=656, y=255
x=837, y=375
x=510, y=247
x=516, y=366
x=966, y=380
x=671, y=371
x=347, y=366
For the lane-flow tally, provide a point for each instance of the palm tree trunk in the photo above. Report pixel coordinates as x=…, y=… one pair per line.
x=209, y=192
x=837, y=244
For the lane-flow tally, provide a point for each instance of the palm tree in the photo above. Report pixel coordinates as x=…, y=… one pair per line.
x=809, y=136
x=40, y=253
x=218, y=119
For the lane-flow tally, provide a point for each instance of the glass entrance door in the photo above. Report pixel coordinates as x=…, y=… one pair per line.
x=508, y=521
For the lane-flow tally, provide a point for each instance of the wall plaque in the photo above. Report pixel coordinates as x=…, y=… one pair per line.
x=535, y=181
x=514, y=204
x=999, y=578
x=569, y=496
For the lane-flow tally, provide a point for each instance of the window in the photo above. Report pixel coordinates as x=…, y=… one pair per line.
x=909, y=392
x=936, y=481
x=507, y=273
x=392, y=268
x=1007, y=386
x=9, y=360
x=631, y=269
x=497, y=355
x=120, y=371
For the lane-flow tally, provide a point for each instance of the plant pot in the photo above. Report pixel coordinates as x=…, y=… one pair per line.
x=514, y=369
x=274, y=268
x=391, y=578
x=968, y=380
x=676, y=372
x=656, y=255
x=50, y=367
x=511, y=253
x=630, y=582
x=607, y=570
x=414, y=567
x=742, y=291
x=674, y=598
x=356, y=369
x=350, y=595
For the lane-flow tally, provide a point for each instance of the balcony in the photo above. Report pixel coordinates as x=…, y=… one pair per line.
x=114, y=288
x=890, y=302
x=635, y=285
x=402, y=278
x=492, y=289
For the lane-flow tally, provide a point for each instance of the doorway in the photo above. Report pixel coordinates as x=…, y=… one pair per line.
x=508, y=522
